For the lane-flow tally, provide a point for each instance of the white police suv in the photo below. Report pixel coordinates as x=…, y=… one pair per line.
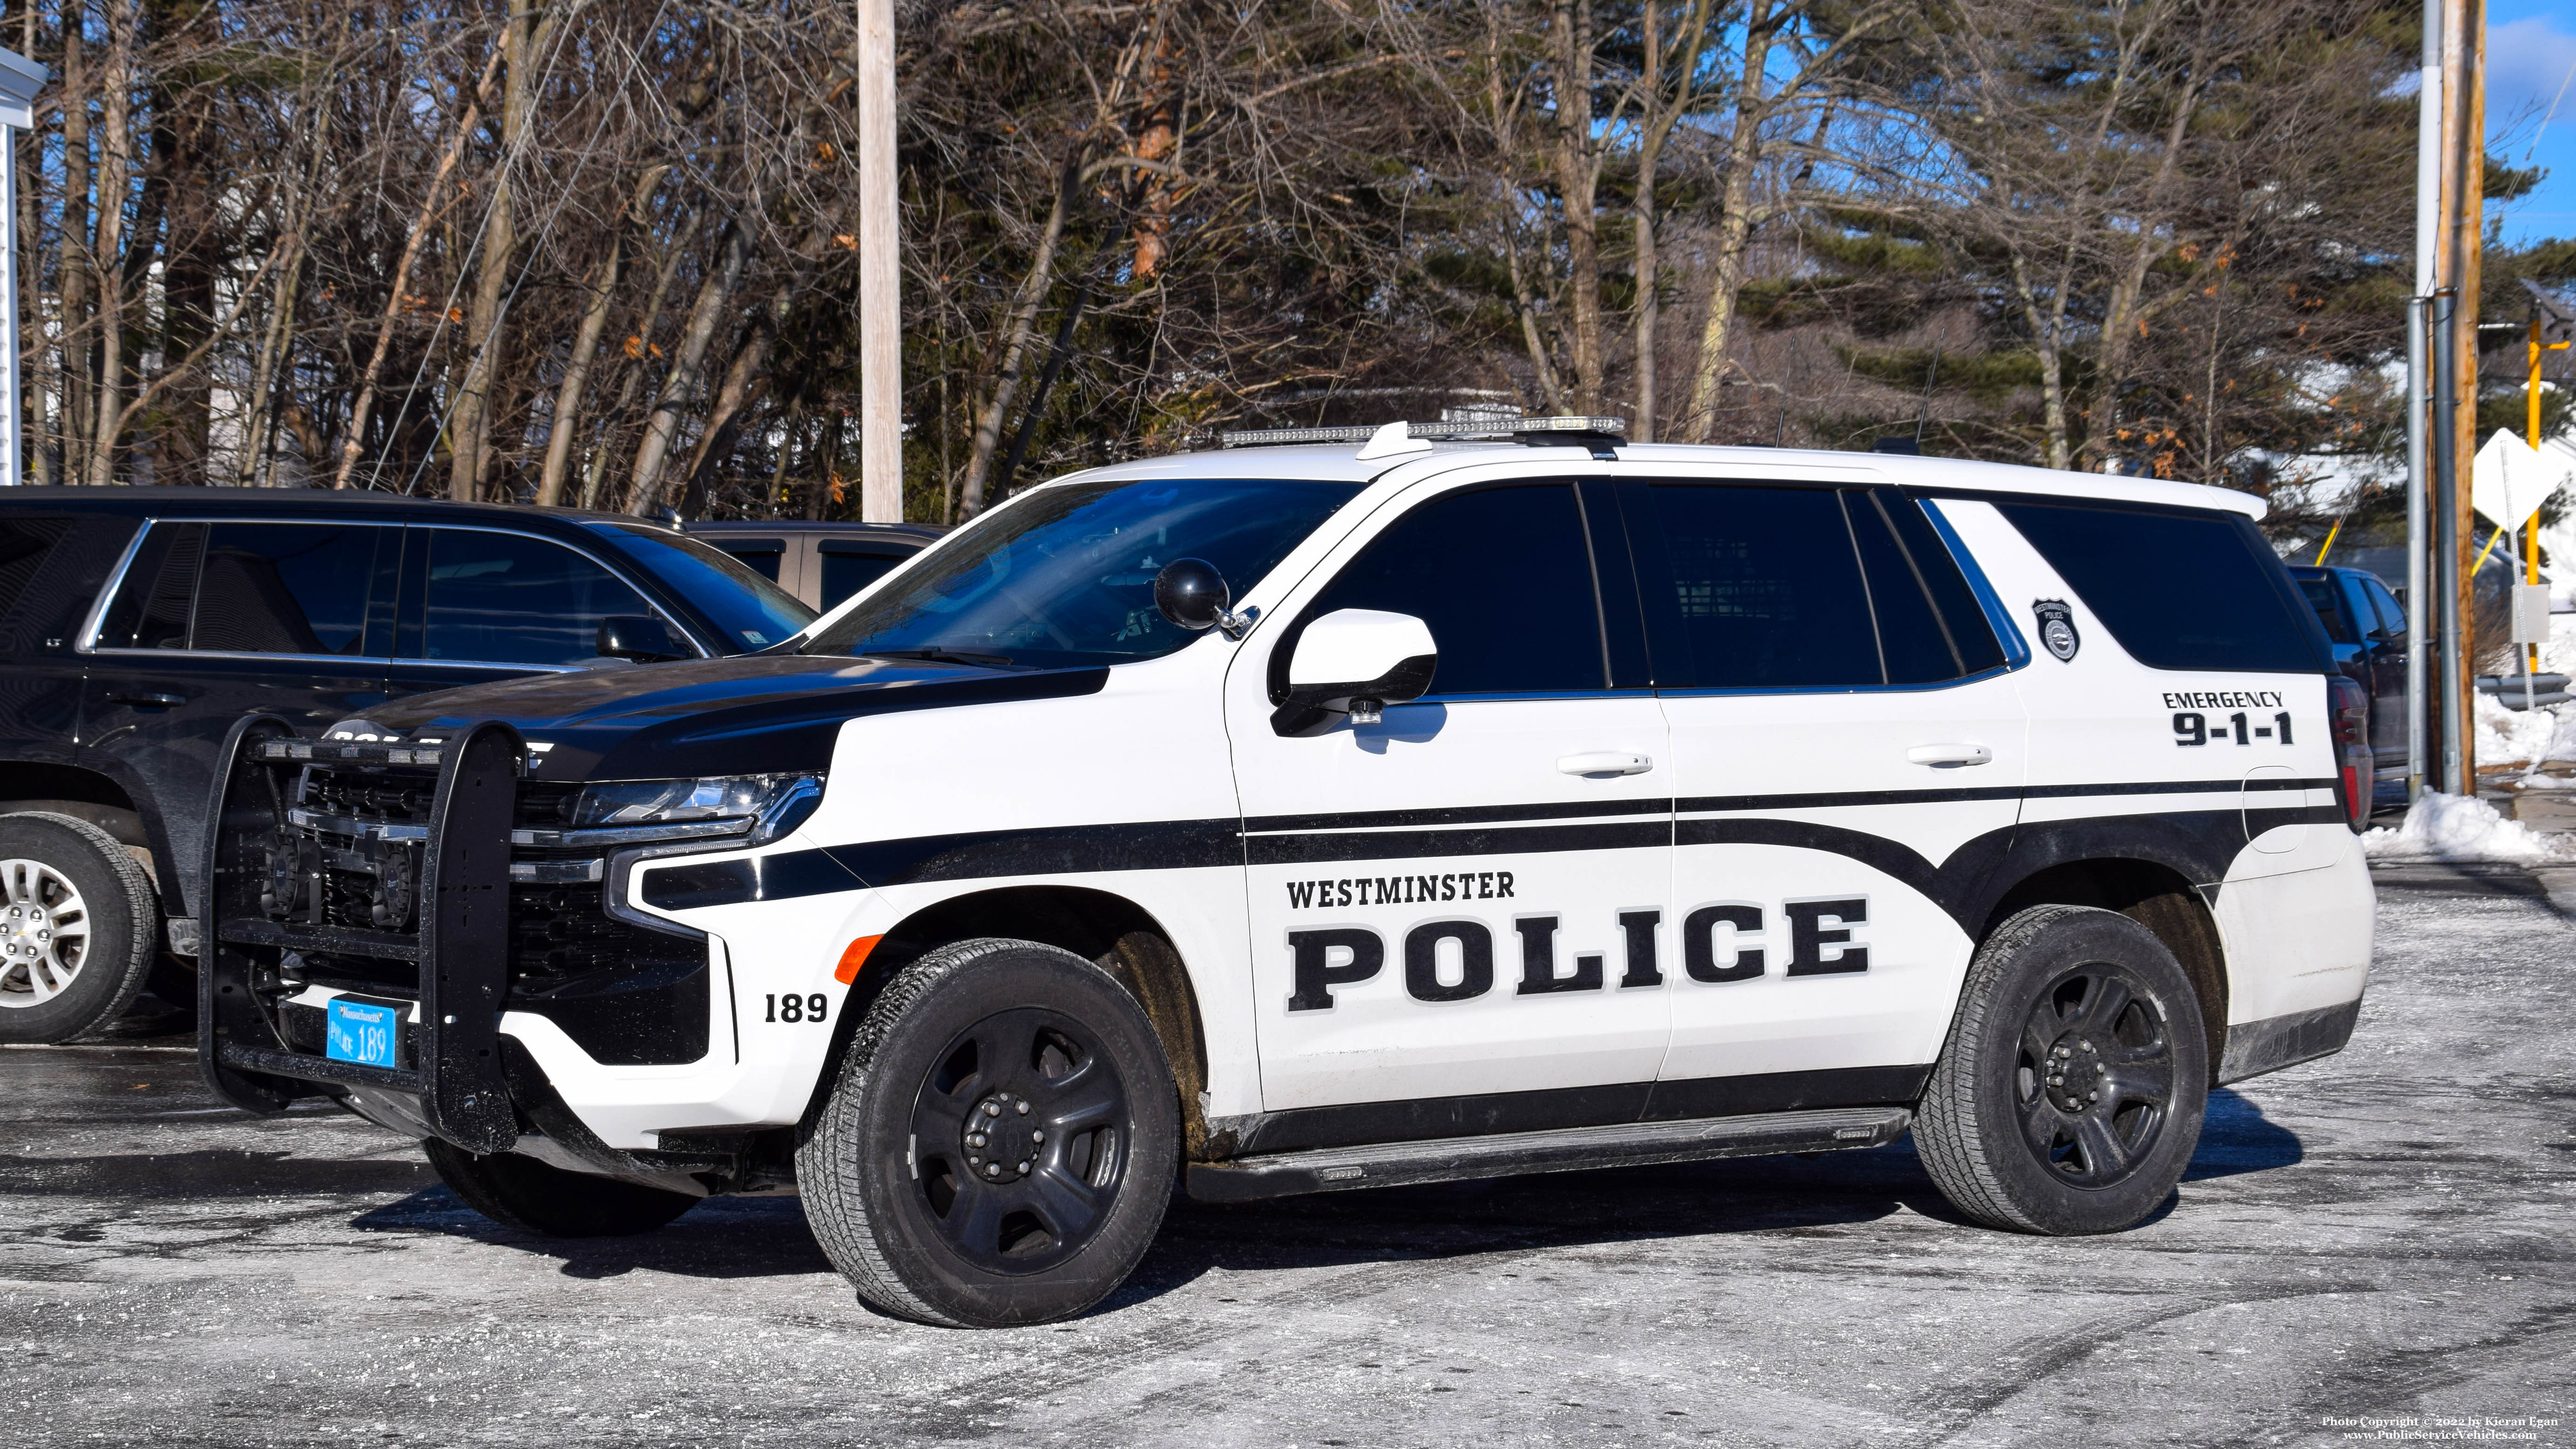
x=1293, y=818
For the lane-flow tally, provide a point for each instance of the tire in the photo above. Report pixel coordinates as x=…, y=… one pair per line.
x=2093, y=999
x=521, y=1192
x=905, y=1199
x=79, y=926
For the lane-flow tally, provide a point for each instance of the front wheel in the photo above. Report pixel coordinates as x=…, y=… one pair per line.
x=2069, y=1096
x=1002, y=1141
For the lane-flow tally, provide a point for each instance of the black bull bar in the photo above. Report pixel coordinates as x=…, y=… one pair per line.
x=456, y=949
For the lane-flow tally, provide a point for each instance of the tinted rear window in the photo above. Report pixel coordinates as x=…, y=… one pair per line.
x=2179, y=590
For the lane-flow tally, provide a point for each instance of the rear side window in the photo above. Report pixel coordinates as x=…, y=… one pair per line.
x=2179, y=590
x=1504, y=578
x=288, y=588
x=24, y=544
x=1753, y=588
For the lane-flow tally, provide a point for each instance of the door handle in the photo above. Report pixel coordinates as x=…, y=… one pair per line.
x=1605, y=762
x=157, y=701
x=1938, y=756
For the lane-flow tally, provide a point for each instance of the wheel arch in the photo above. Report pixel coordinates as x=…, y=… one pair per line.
x=1113, y=932
x=2156, y=896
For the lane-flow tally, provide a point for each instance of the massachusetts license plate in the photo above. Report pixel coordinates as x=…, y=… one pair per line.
x=360, y=1032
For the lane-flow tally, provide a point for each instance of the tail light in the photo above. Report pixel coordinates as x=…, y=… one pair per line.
x=2348, y=705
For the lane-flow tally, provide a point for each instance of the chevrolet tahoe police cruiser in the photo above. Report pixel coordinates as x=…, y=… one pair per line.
x=1305, y=817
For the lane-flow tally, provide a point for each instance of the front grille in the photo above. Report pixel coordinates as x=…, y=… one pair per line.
x=341, y=886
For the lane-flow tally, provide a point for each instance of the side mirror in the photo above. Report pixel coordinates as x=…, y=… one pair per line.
x=639, y=637
x=1359, y=661
x=1191, y=593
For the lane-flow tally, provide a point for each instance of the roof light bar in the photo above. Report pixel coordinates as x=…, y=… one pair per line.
x=1436, y=432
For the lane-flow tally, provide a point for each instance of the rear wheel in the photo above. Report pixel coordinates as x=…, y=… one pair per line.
x=2069, y=1096
x=78, y=924
x=521, y=1192
x=1002, y=1141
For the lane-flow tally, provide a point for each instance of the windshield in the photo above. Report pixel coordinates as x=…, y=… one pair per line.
x=1066, y=578
x=753, y=612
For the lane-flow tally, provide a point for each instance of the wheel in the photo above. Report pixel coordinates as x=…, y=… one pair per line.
x=1002, y=1141
x=2068, y=1098
x=79, y=925
x=521, y=1192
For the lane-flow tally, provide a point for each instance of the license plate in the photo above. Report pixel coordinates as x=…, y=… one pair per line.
x=363, y=1033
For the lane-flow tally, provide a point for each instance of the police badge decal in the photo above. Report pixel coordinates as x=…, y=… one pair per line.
x=2057, y=627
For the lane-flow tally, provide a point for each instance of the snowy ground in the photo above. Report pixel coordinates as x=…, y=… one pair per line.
x=2386, y=1233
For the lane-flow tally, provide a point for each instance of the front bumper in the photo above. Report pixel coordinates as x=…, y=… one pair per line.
x=387, y=871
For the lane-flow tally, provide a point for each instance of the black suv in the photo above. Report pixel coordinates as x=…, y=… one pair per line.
x=136, y=624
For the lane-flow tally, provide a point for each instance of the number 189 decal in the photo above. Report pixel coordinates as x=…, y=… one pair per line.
x=793, y=1007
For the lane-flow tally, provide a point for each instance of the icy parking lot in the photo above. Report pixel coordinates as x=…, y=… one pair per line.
x=2381, y=1236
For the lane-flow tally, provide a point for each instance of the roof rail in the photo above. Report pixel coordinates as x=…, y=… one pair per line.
x=1576, y=429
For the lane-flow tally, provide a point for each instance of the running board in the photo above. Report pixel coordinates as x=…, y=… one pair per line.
x=1572, y=1149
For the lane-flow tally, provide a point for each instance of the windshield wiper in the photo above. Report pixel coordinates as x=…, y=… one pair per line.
x=943, y=656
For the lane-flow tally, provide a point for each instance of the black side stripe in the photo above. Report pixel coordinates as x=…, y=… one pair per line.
x=1691, y=804
x=2199, y=843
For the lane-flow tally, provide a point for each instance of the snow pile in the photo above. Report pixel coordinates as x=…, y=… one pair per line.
x=2452, y=827
x=2527, y=738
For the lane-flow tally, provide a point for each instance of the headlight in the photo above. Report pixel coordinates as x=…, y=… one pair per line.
x=776, y=803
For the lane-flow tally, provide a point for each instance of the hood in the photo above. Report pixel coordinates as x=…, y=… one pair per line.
x=749, y=714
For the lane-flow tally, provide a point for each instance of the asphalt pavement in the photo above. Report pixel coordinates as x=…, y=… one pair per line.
x=2371, y=1248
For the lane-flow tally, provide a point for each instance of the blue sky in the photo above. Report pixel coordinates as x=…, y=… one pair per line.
x=2531, y=50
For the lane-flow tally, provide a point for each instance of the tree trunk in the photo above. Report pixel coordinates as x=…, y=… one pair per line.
x=356, y=440
x=469, y=424
x=585, y=347
x=77, y=342
x=186, y=185
x=644, y=489
x=1650, y=147
x=116, y=151
x=1015, y=348
x=2045, y=335
x=641, y=351
x=1734, y=222
x=1571, y=23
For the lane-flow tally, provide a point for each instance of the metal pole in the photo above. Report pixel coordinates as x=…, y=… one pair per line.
x=2446, y=533
x=880, y=272
x=2418, y=481
x=17, y=424
x=2419, y=478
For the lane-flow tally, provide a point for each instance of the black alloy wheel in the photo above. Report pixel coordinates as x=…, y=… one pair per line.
x=2069, y=1095
x=1001, y=1142
x=1018, y=1140
x=2094, y=1085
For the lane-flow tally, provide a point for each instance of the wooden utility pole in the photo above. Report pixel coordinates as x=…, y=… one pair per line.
x=880, y=271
